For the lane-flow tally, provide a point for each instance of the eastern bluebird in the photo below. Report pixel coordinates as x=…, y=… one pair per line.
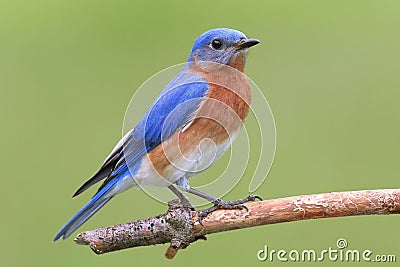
x=189, y=126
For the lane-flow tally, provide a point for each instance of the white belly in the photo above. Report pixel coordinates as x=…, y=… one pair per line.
x=190, y=164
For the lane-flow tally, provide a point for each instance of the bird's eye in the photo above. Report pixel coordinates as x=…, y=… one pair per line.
x=216, y=44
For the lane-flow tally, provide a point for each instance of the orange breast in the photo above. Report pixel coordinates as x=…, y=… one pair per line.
x=221, y=115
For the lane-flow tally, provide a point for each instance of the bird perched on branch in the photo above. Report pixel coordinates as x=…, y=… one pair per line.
x=189, y=126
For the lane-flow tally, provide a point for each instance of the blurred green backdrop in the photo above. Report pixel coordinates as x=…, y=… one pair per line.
x=330, y=71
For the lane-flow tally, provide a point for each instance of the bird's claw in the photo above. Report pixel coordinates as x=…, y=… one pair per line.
x=220, y=204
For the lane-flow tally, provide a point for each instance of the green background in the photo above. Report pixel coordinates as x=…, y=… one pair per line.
x=329, y=69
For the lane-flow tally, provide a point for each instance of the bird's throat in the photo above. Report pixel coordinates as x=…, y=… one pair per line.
x=238, y=61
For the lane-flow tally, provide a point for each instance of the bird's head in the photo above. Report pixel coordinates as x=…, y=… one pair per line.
x=223, y=46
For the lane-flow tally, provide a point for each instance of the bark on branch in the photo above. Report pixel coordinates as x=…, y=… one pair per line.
x=180, y=227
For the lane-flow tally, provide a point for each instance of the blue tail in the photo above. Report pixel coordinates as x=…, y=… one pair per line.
x=98, y=201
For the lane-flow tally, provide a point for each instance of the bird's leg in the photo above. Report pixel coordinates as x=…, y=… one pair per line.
x=218, y=203
x=184, y=200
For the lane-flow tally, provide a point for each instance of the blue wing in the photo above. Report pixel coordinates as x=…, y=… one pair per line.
x=172, y=110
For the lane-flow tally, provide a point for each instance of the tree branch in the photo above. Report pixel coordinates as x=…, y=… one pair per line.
x=180, y=227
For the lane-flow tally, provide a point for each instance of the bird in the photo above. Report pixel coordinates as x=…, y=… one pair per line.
x=189, y=126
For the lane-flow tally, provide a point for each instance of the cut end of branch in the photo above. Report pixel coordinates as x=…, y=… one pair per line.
x=81, y=239
x=86, y=238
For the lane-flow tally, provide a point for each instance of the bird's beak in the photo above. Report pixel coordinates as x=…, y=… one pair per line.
x=246, y=43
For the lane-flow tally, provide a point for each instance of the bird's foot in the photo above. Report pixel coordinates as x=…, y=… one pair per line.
x=220, y=204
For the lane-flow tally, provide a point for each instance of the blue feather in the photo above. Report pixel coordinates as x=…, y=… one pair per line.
x=98, y=201
x=171, y=111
